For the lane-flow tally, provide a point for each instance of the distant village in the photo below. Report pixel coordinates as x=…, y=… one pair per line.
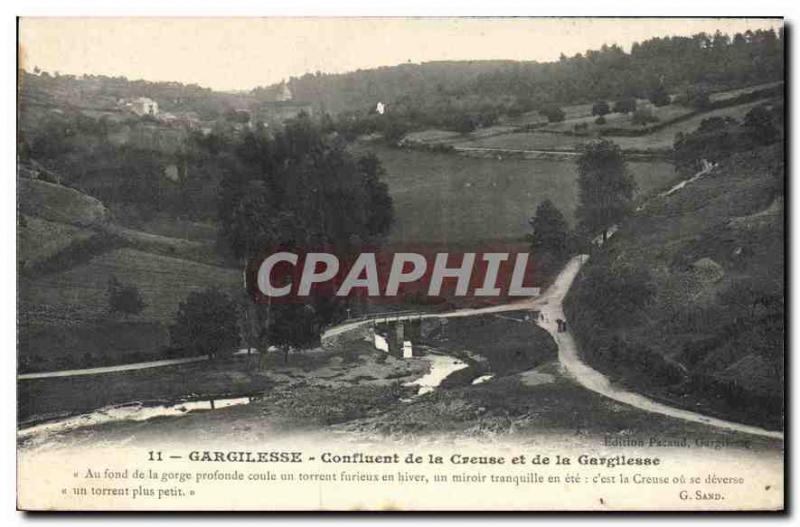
x=90, y=96
x=269, y=112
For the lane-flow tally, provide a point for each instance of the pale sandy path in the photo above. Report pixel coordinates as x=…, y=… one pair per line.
x=550, y=306
x=595, y=381
x=110, y=369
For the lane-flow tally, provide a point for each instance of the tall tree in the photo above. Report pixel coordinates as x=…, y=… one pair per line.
x=293, y=326
x=206, y=323
x=605, y=187
x=300, y=188
x=379, y=205
x=550, y=229
x=550, y=239
x=760, y=125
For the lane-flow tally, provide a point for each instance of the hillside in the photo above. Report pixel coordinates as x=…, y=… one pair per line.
x=610, y=72
x=531, y=132
x=686, y=301
x=451, y=94
x=456, y=194
x=69, y=248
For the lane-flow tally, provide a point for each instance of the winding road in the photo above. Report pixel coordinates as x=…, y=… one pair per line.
x=591, y=379
x=550, y=306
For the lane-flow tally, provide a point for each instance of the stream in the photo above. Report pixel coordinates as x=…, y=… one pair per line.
x=441, y=367
x=137, y=411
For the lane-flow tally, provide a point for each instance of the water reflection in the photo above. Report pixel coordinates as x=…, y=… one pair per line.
x=129, y=412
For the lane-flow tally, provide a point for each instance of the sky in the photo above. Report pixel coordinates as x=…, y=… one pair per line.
x=242, y=53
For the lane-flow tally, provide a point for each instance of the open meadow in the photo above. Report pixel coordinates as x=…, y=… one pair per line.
x=483, y=200
x=553, y=137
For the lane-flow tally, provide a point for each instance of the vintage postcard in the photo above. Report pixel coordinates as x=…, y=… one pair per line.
x=405, y=264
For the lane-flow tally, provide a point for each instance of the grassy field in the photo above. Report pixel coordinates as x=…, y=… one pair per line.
x=623, y=121
x=660, y=140
x=528, y=141
x=730, y=94
x=57, y=203
x=178, y=228
x=89, y=344
x=431, y=136
x=39, y=239
x=580, y=113
x=664, y=139
x=478, y=200
x=162, y=281
x=435, y=137
x=64, y=320
x=70, y=248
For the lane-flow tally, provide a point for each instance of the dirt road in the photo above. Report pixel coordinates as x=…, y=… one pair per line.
x=595, y=381
x=110, y=369
x=550, y=306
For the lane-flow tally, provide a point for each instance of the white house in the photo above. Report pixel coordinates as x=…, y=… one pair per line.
x=144, y=106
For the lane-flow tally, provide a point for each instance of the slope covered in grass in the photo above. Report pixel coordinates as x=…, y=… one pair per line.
x=69, y=248
x=446, y=198
x=686, y=301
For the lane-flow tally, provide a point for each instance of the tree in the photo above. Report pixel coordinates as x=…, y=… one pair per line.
x=697, y=97
x=714, y=139
x=550, y=239
x=206, y=323
x=605, y=187
x=379, y=205
x=615, y=293
x=760, y=126
x=626, y=105
x=301, y=188
x=293, y=326
x=600, y=108
x=644, y=116
x=659, y=96
x=394, y=129
x=122, y=299
x=553, y=113
x=550, y=229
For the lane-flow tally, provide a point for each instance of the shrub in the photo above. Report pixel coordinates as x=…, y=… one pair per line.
x=760, y=125
x=206, y=323
x=581, y=127
x=643, y=116
x=697, y=97
x=600, y=108
x=124, y=300
x=659, y=96
x=626, y=105
x=553, y=113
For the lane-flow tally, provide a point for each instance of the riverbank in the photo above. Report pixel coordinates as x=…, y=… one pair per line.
x=298, y=387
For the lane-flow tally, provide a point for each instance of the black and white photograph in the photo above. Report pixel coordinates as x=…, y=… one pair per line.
x=401, y=263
